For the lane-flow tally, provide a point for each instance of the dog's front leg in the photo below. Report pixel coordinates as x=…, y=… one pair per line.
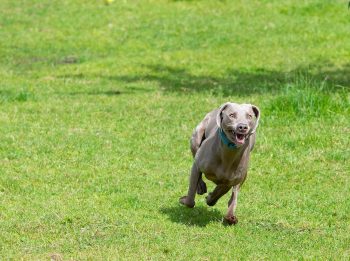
x=218, y=192
x=230, y=217
x=194, y=178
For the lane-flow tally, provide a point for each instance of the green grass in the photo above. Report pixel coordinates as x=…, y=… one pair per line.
x=97, y=104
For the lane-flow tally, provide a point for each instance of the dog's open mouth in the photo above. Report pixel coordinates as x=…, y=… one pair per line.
x=239, y=138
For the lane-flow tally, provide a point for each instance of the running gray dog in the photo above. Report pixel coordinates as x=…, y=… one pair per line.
x=221, y=145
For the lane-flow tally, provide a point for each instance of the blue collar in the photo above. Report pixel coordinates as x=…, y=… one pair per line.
x=226, y=141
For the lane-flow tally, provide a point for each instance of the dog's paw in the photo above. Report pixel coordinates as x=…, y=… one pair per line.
x=184, y=201
x=230, y=220
x=201, y=187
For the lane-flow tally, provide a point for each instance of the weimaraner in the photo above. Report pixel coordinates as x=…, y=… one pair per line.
x=221, y=145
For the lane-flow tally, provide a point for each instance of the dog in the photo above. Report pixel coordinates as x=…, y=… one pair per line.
x=221, y=145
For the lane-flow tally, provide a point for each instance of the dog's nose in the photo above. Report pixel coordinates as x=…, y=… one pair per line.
x=242, y=127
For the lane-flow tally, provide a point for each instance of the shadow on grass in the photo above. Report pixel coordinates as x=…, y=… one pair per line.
x=237, y=82
x=172, y=79
x=197, y=216
x=107, y=93
x=112, y=92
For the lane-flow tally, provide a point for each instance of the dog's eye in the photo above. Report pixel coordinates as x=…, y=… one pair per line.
x=233, y=115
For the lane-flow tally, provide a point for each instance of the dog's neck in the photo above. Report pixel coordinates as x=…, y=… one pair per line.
x=229, y=144
x=229, y=150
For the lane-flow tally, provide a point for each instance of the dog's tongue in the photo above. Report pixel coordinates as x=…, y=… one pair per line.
x=240, y=138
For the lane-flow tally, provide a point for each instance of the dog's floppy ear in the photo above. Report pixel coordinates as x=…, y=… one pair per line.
x=257, y=116
x=219, y=115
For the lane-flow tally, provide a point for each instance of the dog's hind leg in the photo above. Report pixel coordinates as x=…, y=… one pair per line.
x=201, y=187
x=198, y=135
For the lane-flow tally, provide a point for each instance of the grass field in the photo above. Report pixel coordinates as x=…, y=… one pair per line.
x=98, y=102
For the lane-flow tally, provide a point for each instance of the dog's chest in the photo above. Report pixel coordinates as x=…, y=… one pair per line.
x=231, y=174
x=223, y=167
x=226, y=174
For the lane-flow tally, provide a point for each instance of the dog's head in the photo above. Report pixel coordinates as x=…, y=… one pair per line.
x=238, y=121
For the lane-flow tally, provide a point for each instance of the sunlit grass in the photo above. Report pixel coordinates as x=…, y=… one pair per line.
x=97, y=105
